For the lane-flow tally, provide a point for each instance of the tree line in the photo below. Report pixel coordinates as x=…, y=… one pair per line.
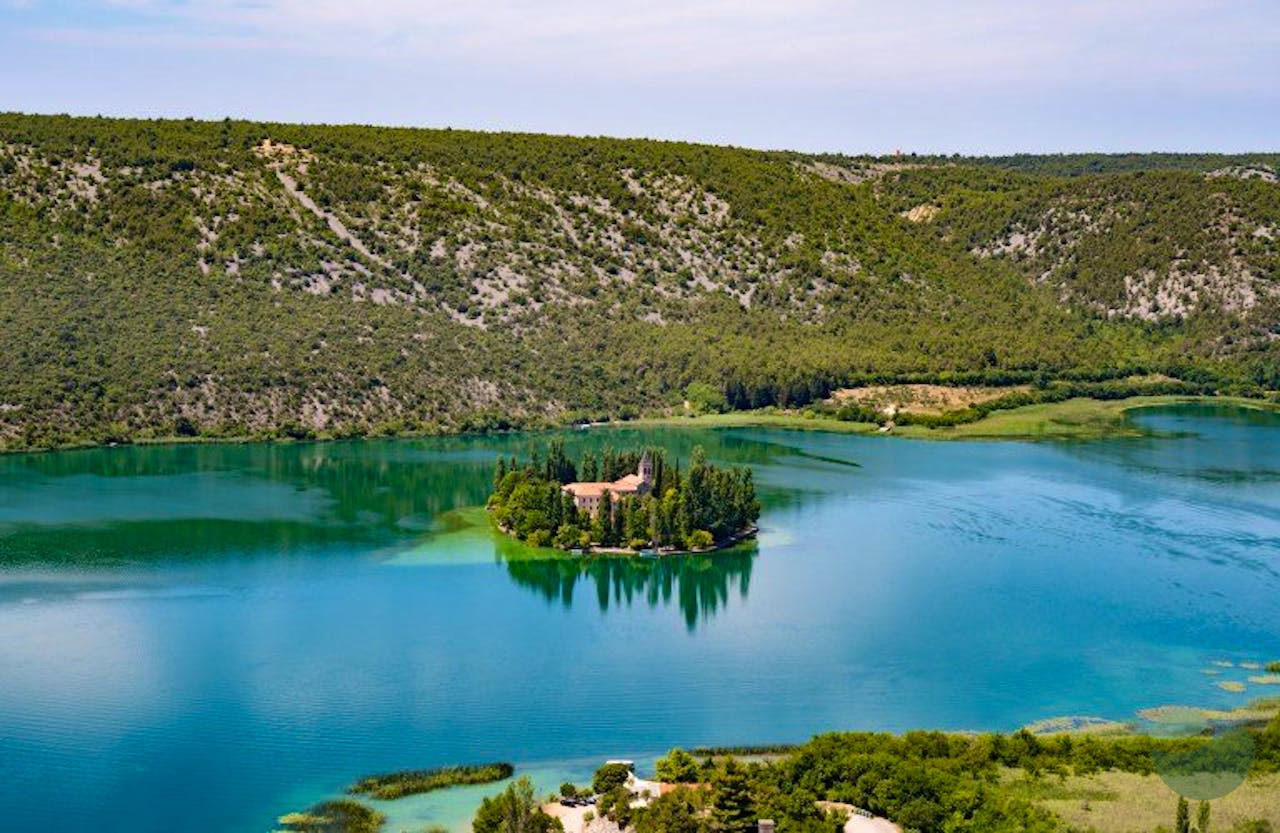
x=928, y=782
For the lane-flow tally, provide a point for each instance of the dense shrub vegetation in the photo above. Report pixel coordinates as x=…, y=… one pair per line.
x=702, y=507
x=515, y=810
x=184, y=279
x=924, y=781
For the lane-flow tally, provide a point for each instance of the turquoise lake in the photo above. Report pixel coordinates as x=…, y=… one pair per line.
x=205, y=637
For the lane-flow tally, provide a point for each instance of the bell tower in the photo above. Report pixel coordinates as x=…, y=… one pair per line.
x=646, y=469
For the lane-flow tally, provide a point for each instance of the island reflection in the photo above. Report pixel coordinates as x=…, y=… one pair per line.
x=700, y=584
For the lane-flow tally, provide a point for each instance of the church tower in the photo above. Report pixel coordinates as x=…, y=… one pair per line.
x=646, y=470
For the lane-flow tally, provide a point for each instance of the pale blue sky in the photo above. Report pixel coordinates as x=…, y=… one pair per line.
x=983, y=76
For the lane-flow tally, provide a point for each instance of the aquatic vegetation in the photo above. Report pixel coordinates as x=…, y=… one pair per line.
x=1257, y=711
x=393, y=785
x=342, y=815
x=743, y=751
x=1234, y=686
x=1265, y=679
x=1075, y=725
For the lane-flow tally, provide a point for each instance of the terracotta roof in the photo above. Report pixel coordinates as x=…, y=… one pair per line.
x=589, y=489
x=622, y=486
x=630, y=483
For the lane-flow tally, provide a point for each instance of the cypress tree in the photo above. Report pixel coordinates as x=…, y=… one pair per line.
x=621, y=512
x=605, y=519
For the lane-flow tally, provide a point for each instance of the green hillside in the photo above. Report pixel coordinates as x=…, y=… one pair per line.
x=182, y=278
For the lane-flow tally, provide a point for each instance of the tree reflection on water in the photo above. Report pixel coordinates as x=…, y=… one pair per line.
x=699, y=584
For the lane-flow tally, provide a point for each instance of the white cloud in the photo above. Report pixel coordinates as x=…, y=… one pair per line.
x=987, y=42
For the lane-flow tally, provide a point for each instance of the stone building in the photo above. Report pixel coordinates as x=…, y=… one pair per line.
x=588, y=495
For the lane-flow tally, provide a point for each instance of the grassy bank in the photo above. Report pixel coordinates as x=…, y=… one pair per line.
x=1079, y=418
x=1070, y=419
x=1121, y=802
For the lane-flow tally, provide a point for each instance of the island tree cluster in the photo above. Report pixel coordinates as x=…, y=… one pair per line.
x=701, y=507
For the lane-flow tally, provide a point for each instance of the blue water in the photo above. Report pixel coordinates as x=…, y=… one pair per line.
x=205, y=637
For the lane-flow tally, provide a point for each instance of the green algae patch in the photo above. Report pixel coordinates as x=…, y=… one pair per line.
x=467, y=536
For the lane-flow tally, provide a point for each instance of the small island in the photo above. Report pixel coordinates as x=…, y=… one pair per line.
x=630, y=501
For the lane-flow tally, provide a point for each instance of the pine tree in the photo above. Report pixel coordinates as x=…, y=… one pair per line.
x=1202, y=817
x=731, y=810
x=1182, y=820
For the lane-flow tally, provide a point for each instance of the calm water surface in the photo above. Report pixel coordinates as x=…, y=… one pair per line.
x=202, y=638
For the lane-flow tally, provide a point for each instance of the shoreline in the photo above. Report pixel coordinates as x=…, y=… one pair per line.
x=647, y=552
x=1253, y=716
x=1071, y=419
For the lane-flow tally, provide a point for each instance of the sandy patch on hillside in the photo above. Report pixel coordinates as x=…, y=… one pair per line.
x=921, y=213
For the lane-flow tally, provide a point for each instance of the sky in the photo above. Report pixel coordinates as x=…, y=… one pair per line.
x=854, y=76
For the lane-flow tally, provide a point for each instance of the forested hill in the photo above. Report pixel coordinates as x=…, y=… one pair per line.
x=163, y=278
